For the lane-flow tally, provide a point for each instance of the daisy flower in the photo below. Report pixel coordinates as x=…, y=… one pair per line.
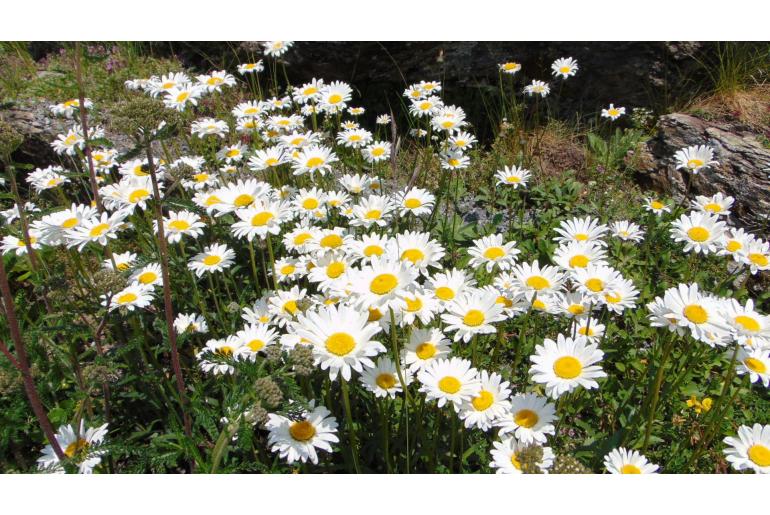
x=416, y=201
x=613, y=113
x=734, y=243
x=382, y=380
x=252, y=339
x=530, y=418
x=756, y=363
x=369, y=247
x=377, y=151
x=214, y=258
x=565, y=364
x=513, y=176
x=81, y=446
x=448, y=118
x=448, y=285
x=148, y=275
x=192, y=322
x=537, y=87
x=419, y=250
x=473, y=313
x=354, y=138
x=180, y=98
x=695, y=158
x=256, y=67
x=297, y=438
x=589, y=327
x=656, y=206
x=596, y=280
x=215, y=81
x=505, y=457
x=98, y=230
x=757, y=256
x=123, y=261
x=383, y=283
x=701, y=232
x=288, y=269
x=462, y=141
x=260, y=219
x=424, y=347
x=745, y=322
x=18, y=246
x=136, y=295
x=67, y=109
x=750, y=450
x=718, y=204
x=341, y=337
x=277, y=49
x=627, y=231
x=216, y=356
x=425, y=106
x=489, y=404
x=181, y=223
x=564, y=67
x=454, y=160
x=690, y=309
x=209, y=127
x=419, y=305
x=314, y=158
x=329, y=272
x=335, y=96
x=449, y=380
x=511, y=68
x=371, y=211
x=69, y=142
x=581, y=229
x=532, y=279
x=620, y=296
x=579, y=254
x=622, y=461
x=383, y=119
x=491, y=252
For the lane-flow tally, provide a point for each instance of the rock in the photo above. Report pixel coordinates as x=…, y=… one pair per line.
x=744, y=165
x=34, y=120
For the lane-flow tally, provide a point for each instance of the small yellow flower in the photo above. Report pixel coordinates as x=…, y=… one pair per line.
x=699, y=406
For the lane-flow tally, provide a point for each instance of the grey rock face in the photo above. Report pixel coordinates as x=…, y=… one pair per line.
x=744, y=165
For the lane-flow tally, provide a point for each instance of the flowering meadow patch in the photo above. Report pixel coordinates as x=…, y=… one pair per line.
x=274, y=279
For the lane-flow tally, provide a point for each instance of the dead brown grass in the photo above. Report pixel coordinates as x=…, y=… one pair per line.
x=750, y=107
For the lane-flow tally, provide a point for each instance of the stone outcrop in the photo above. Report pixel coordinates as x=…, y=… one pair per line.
x=744, y=164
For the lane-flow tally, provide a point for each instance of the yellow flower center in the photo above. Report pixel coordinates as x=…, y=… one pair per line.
x=378, y=151
x=449, y=384
x=383, y=284
x=594, y=284
x=538, y=282
x=412, y=203
x=71, y=140
x=755, y=365
x=290, y=307
x=69, y=223
x=374, y=315
x=181, y=97
x=613, y=112
x=445, y=293
x=334, y=98
x=713, y=207
x=694, y=163
x=425, y=350
x=122, y=266
x=748, y=323
x=759, y=259
x=256, y=345
x=413, y=255
x=612, y=299
x=473, y=318
x=302, y=238
x=127, y=298
x=340, y=344
x=314, y=162
x=699, y=234
x=695, y=314
x=510, y=66
x=98, y=230
x=287, y=269
x=179, y=225
x=261, y=219
x=581, y=236
x=76, y=447
x=233, y=152
x=513, y=179
x=567, y=367
x=494, y=253
x=630, y=469
x=386, y=381
x=483, y=401
x=413, y=305
x=565, y=69
x=138, y=195
x=331, y=241
x=335, y=269
x=211, y=260
x=733, y=246
x=760, y=455
x=243, y=200
x=454, y=162
x=586, y=331
x=373, y=250
x=147, y=277
x=539, y=304
x=525, y=418
x=656, y=205
x=213, y=200
x=579, y=261
x=302, y=431
x=515, y=461
x=576, y=309
x=373, y=214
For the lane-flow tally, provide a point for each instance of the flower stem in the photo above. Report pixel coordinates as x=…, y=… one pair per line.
x=656, y=390
x=351, y=428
